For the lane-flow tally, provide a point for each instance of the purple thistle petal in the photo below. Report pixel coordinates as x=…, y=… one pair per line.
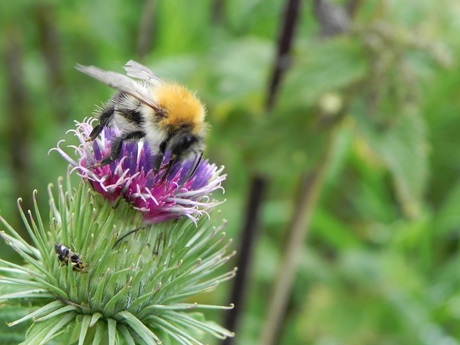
x=131, y=177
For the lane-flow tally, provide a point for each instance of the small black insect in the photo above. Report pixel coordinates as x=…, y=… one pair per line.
x=65, y=255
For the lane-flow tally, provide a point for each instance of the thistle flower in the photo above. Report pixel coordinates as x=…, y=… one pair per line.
x=135, y=293
x=81, y=284
x=131, y=177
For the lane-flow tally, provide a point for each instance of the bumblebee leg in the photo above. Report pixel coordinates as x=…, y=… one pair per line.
x=104, y=119
x=196, y=162
x=172, y=161
x=157, y=163
x=117, y=143
x=159, y=159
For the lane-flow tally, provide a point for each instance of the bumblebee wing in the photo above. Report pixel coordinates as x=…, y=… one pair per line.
x=121, y=83
x=136, y=70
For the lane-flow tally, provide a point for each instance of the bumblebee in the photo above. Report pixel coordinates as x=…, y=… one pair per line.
x=66, y=256
x=166, y=114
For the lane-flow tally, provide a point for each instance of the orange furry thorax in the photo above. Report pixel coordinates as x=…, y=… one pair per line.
x=181, y=106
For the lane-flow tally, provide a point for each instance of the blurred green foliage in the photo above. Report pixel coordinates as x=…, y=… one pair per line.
x=381, y=264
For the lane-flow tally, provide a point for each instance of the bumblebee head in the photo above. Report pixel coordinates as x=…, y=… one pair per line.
x=182, y=108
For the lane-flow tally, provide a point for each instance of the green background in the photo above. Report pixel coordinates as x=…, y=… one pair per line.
x=374, y=112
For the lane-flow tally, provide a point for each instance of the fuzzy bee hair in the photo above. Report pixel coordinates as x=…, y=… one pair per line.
x=166, y=114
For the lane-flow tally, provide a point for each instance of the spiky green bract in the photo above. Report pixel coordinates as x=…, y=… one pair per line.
x=133, y=293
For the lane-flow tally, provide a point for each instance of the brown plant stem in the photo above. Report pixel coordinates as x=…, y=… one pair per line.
x=248, y=237
x=217, y=12
x=258, y=183
x=146, y=29
x=310, y=190
x=311, y=187
x=289, y=20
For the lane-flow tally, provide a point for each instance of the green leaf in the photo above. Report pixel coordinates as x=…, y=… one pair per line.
x=112, y=330
x=42, y=332
x=141, y=330
x=448, y=216
x=321, y=67
x=240, y=68
x=51, y=314
x=183, y=338
x=49, y=308
x=100, y=333
x=125, y=334
x=85, y=324
x=403, y=147
x=336, y=232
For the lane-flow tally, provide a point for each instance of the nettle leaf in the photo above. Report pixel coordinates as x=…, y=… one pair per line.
x=239, y=68
x=321, y=67
x=297, y=129
x=285, y=145
x=403, y=147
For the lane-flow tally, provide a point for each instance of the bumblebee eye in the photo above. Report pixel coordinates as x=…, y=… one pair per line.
x=183, y=144
x=188, y=140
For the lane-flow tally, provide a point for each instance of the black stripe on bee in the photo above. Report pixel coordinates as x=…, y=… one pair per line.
x=66, y=256
x=132, y=116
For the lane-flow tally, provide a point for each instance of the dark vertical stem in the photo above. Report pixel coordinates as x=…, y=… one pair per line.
x=19, y=125
x=49, y=46
x=283, y=58
x=247, y=239
x=217, y=11
x=146, y=29
x=259, y=184
x=333, y=20
x=352, y=6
